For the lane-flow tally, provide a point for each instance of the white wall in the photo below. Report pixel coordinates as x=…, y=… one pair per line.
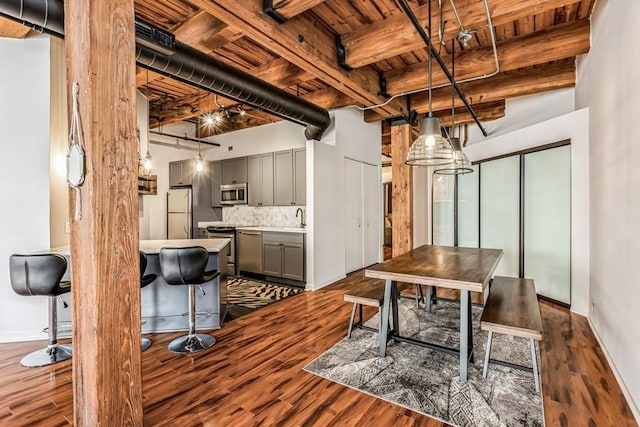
x=608, y=83
x=350, y=137
x=572, y=126
x=58, y=147
x=24, y=171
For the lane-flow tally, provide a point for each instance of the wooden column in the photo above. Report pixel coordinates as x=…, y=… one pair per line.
x=402, y=192
x=107, y=383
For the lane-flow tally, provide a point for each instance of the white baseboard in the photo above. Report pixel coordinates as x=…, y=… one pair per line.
x=8, y=337
x=632, y=404
x=315, y=287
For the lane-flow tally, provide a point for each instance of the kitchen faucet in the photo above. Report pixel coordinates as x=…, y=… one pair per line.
x=300, y=211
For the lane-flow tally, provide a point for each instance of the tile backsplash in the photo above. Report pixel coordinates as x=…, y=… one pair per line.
x=266, y=216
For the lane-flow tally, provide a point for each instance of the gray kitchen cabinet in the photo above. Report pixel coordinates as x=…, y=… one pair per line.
x=234, y=171
x=260, y=180
x=300, y=176
x=283, y=255
x=283, y=178
x=181, y=173
x=272, y=259
x=293, y=261
x=216, y=180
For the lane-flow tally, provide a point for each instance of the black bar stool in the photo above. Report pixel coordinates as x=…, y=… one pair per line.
x=186, y=266
x=41, y=275
x=144, y=281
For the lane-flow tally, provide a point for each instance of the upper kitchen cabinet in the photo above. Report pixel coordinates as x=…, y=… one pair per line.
x=234, y=171
x=261, y=180
x=181, y=173
x=216, y=180
x=289, y=177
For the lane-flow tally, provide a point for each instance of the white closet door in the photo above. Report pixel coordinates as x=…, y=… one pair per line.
x=499, y=211
x=353, y=221
x=547, y=222
x=371, y=213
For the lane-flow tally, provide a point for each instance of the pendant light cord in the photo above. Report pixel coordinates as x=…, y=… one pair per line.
x=429, y=62
x=453, y=91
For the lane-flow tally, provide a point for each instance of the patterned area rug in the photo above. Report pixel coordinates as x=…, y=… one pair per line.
x=426, y=381
x=254, y=295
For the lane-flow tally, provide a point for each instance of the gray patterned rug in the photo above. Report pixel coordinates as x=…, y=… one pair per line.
x=426, y=381
x=253, y=295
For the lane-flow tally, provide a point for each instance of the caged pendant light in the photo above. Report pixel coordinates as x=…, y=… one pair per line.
x=460, y=164
x=430, y=148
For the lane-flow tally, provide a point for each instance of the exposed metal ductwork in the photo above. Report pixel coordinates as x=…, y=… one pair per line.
x=189, y=66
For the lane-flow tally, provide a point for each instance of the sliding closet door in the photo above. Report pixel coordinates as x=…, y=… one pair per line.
x=547, y=222
x=443, y=193
x=499, y=211
x=468, y=209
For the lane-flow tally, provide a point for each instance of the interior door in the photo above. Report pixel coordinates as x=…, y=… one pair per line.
x=353, y=221
x=371, y=214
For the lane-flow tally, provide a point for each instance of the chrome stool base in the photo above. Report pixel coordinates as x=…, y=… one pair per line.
x=47, y=356
x=191, y=343
x=145, y=343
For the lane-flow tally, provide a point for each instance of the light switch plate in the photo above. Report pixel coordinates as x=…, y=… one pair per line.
x=67, y=227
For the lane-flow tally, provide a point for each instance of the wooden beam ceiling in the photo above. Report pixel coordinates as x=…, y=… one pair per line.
x=13, y=30
x=304, y=43
x=206, y=33
x=505, y=85
x=291, y=8
x=554, y=44
x=393, y=36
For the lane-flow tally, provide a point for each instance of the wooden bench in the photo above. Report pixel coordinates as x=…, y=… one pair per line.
x=365, y=293
x=512, y=309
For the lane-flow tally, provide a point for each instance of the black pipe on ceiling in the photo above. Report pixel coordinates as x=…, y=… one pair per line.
x=189, y=66
x=434, y=53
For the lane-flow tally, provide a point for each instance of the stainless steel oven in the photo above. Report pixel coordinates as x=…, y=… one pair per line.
x=234, y=194
x=223, y=232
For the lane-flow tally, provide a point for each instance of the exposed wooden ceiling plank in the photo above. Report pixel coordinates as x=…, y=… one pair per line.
x=394, y=35
x=329, y=98
x=291, y=8
x=281, y=73
x=206, y=33
x=505, y=85
x=557, y=43
x=302, y=42
x=12, y=29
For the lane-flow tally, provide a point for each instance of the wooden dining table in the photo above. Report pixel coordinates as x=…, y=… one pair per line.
x=465, y=269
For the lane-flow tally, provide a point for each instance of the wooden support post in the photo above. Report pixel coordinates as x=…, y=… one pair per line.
x=402, y=192
x=107, y=383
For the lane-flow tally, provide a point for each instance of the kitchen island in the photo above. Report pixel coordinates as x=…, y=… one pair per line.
x=165, y=307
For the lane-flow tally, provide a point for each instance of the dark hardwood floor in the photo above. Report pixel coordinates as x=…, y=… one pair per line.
x=253, y=375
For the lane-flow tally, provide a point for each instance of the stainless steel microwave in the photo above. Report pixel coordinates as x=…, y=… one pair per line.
x=234, y=194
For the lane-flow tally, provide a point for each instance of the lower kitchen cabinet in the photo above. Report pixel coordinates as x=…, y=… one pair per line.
x=283, y=255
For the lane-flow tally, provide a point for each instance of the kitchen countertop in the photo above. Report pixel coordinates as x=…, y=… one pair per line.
x=154, y=246
x=275, y=229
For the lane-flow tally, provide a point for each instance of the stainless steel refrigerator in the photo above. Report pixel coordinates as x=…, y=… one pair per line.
x=179, y=213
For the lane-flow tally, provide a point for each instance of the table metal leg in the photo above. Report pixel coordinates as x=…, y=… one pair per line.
x=464, y=334
x=429, y=297
x=384, y=326
x=487, y=355
x=534, y=360
x=395, y=294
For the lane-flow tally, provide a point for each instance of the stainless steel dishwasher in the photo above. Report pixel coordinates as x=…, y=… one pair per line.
x=250, y=251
